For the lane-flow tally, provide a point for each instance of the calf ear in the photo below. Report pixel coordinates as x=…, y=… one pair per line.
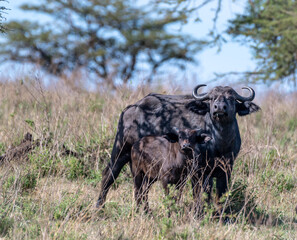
x=198, y=107
x=171, y=137
x=246, y=108
x=175, y=130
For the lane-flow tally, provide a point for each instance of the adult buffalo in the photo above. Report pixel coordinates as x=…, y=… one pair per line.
x=156, y=114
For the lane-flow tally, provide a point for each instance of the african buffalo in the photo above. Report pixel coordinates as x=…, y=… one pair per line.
x=156, y=158
x=156, y=114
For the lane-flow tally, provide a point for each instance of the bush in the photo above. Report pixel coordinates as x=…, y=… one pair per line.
x=6, y=223
x=239, y=203
x=29, y=181
x=43, y=162
x=74, y=168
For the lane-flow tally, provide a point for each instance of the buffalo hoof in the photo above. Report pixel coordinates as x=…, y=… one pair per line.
x=100, y=203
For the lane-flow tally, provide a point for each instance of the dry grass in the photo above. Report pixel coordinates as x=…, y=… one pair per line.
x=51, y=196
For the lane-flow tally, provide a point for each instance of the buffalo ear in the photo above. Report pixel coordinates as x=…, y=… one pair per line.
x=202, y=137
x=246, y=108
x=206, y=137
x=198, y=107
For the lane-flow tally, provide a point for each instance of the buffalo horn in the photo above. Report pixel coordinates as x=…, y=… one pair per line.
x=244, y=99
x=202, y=96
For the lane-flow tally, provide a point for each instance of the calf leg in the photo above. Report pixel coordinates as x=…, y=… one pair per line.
x=138, y=185
x=165, y=186
x=166, y=189
x=180, y=186
x=146, y=187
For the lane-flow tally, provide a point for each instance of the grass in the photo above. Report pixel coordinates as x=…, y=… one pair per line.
x=48, y=195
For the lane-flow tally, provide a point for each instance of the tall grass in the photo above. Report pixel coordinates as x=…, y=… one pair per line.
x=48, y=195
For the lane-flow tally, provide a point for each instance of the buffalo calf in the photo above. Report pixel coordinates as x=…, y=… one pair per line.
x=166, y=158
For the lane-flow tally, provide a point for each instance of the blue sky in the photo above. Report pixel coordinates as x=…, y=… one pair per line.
x=233, y=56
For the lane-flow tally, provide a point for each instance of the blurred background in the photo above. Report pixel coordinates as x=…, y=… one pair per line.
x=111, y=43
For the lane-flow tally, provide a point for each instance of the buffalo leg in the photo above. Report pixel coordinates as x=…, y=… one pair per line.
x=196, y=186
x=222, y=186
x=202, y=182
x=208, y=183
x=223, y=178
x=109, y=174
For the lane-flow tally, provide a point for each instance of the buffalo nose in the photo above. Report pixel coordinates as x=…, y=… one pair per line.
x=220, y=106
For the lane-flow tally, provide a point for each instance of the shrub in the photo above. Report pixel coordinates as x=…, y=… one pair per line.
x=29, y=181
x=43, y=162
x=6, y=223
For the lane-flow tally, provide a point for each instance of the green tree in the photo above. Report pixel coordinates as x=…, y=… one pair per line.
x=2, y=10
x=109, y=38
x=270, y=28
x=192, y=10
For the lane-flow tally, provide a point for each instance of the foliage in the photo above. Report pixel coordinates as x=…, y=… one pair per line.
x=28, y=181
x=270, y=29
x=2, y=10
x=6, y=224
x=192, y=9
x=112, y=39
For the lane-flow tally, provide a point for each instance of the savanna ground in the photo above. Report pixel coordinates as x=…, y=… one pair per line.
x=48, y=194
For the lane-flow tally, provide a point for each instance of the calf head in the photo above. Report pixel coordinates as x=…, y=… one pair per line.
x=224, y=102
x=188, y=138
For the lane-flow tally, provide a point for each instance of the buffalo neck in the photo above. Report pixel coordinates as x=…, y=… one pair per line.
x=226, y=135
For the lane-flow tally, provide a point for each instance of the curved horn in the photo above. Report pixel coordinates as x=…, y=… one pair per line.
x=202, y=96
x=244, y=99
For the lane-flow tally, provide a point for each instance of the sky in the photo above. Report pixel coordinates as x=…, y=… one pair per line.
x=233, y=57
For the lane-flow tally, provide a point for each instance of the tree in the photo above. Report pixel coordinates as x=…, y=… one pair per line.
x=192, y=9
x=109, y=38
x=270, y=27
x=2, y=10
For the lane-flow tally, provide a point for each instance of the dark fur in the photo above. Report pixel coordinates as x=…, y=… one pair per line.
x=157, y=114
x=155, y=158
